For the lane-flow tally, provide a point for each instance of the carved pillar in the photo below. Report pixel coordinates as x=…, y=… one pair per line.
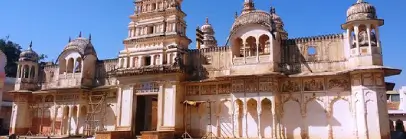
x=274, y=125
x=73, y=67
x=77, y=119
x=132, y=62
x=152, y=60
x=378, y=40
x=349, y=38
x=29, y=72
x=244, y=49
x=36, y=72
x=18, y=71
x=257, y=44
x=356, y=30
x=54, y=118
x=70, y=118
x=161, y=59
x=140, y=64
x=259, y=111
x=245, y=135
x=369, y=39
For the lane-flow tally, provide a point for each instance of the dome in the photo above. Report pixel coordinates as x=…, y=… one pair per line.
x=29, y=55
x=207, y=28
x=252, y=17
x=81, y=45
x=361, y=11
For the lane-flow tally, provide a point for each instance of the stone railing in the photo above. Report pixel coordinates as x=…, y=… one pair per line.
x=251, y=60
x=146, y=70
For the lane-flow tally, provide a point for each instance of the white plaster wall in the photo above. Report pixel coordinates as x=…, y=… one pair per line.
x=292, y=119
x=169, y=105
x=126, y=106
x=110, y=117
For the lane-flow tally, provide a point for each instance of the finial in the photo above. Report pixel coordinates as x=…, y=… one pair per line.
x=207, y=20
x=90, y=37
x=273, y=11
x=197, y=27
x=236, y=15
x=80, y=34
x=30, y=47
x=360, y=1
x=70, y=39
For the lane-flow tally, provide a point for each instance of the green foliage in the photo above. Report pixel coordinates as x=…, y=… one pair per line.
x=12, y=51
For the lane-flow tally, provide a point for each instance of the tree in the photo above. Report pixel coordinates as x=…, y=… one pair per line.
x=12, y=51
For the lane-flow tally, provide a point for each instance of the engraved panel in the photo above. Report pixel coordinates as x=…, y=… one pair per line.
x=251, y=85
x=356, y=79
x=237, y=86
x=379, y=79
x=146, y=87
x=291, y=86
x=49, y=98
x=208, y=90
x=38, y=99
x=224, y=88
x=367, y=79
x=316, y=84
x=67, y=97
x=192, y=90
x=338, y=83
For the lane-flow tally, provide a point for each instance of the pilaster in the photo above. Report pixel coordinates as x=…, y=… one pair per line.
x=369, y=105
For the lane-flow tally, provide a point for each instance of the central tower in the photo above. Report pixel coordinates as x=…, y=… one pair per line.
x=156, y=34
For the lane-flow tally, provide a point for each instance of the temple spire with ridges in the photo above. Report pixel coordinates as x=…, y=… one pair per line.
x=80, y=34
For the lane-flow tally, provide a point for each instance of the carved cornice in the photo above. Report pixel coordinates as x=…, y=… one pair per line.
x=314, y=38
x=146, y=70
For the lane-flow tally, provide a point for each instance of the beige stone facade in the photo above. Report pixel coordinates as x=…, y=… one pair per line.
x=262, y=84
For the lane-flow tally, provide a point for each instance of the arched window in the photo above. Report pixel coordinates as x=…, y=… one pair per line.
x=78, y=65
x=70, y=65
x=26, y=71
x=264, y=44
x=32, y=72
x=251, y=46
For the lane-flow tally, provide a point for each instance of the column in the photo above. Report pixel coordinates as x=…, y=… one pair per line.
x=73, y=67
x=349, y=39
x=175, y=54
x=369, y=39
x=245, y=53
x=125, y=65
x=132, y=31
x=131, y=62
x=274, y=125
x=54, y=119
x=356, y=30
x=378, y=39
x=160, y=107
x=245, y=134
x=36, y=72
x=259, y=111
x=140, y=61
x=152, y=59
x=161, y=59
x=29, y=71
x=257, y=50
x=18, y=71
x=70, y=118
x=77, y=119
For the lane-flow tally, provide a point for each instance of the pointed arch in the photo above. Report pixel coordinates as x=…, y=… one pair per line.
x=266, y=118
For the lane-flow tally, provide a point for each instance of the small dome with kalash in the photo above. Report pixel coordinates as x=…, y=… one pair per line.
x=82, y=45
x=361, y=11
x=29, y=55
x=207, y=27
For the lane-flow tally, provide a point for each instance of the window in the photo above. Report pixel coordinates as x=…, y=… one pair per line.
x=311, y=50
x=154, y=6
x=151, y=30
x=395, y=98
x=147, y=60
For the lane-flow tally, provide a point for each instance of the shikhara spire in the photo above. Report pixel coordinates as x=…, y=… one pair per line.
x=30, y=47
x=360, y=1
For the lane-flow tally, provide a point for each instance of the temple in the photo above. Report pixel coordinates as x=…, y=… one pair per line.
x=260, y=84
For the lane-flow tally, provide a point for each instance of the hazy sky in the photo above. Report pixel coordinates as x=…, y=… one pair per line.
x=49, y=23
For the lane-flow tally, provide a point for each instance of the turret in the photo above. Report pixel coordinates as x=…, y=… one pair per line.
x=27, y=70
x=363, y=35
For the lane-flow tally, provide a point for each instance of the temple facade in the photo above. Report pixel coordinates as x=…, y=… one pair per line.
x=261, y=84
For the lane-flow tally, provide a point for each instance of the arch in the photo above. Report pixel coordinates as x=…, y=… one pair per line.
x=399, y=125
x=252, y=118
x=251, y=46
x=266, y=118
x=157, y=59
x=65, y=112
x=32, y=74
x=69, y=68
x=224, y=114
x=78, y=65
x=122, y=62
x=264, y=44
x=26, y=71
x=391, y=125
x=340, y=111
x=239, y=113
x=237, y=48
x=62, y=66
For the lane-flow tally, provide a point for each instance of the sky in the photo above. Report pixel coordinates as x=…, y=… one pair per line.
x=50, y=23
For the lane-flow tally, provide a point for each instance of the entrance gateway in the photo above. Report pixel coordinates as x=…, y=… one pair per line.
x=145, y=113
